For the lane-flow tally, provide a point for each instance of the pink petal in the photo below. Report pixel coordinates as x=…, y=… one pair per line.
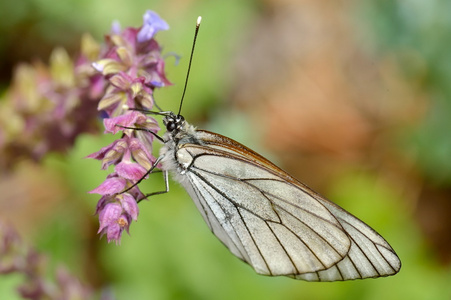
x=101, y=153
x=110, y=186
x=130, y=206
x=126, y=120
x=121, y=80
x=114, y=233
x=130, y=170
x=102, y=203
x=109, y=215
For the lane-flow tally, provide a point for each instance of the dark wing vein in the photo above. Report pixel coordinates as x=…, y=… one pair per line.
x=253, y=239
x=209, y=215
x=374, y=243
x=285, y=250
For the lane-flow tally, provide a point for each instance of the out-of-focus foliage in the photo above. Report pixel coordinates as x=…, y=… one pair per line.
x=397, y=160
x=416, y=35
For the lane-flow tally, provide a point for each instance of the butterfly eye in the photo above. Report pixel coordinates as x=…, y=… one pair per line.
x=171, y=126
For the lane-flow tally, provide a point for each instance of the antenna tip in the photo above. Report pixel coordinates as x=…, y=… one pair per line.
x=199, y=18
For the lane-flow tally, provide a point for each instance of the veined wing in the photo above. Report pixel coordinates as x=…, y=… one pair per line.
x=370, y=256
x=275, y=223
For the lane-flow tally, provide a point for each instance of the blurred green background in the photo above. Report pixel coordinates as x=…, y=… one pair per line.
x=353, y=98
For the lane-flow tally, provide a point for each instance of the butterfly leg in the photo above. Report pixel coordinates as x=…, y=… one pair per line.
x=145, y=175
x=166, y=183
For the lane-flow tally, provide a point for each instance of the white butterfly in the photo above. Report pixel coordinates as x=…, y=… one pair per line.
x=264, y=216
x=267, y=218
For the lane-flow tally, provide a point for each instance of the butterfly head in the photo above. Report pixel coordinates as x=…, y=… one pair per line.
x=173, y=123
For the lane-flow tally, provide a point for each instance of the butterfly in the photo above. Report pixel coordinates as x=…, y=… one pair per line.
x=264, y=216
x=267, y=218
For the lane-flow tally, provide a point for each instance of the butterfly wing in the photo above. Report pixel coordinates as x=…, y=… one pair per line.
x=370, y=256
x=273, y=222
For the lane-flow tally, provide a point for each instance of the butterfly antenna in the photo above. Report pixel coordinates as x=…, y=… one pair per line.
x=190, y=61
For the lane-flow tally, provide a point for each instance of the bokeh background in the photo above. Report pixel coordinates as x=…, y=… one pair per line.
x=351, y=97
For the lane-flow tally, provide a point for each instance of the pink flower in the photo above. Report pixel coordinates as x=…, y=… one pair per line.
x=111, y=222
x=132, y=67
x=115, y=215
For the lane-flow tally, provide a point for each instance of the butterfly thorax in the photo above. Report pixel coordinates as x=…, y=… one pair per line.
x=179, y=133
